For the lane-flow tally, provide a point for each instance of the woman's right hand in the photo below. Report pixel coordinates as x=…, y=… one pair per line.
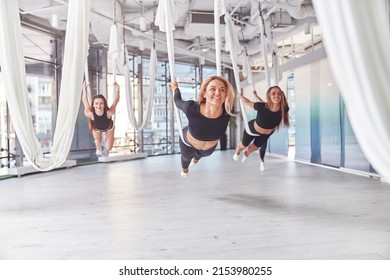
x=85, y=84
x=174, y=85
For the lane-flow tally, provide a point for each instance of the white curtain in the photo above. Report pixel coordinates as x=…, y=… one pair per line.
x=357, y=41
x=14, y=76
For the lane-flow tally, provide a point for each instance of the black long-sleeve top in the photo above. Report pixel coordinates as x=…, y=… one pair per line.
x=199, y=126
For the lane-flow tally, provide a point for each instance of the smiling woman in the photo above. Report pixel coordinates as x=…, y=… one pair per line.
x=207, y=119
x=100, y=118
x=269, y=118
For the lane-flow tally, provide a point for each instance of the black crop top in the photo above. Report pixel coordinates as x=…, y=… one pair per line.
x=102, y=122
x=199, y=126
x=265, y=118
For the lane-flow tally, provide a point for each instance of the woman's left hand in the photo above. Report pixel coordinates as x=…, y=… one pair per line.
x=117, y=87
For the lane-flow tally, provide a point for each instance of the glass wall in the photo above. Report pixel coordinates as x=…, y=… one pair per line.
x=7, y=138
x=39, y=89
x=302, y=113
x=329, y=116
x=290, y=94
x=352, y=156
x=323, y=132
x=153, y=139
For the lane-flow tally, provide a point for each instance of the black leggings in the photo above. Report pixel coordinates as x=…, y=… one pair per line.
x=260, y=141
x=188, y=153
x=263, y=148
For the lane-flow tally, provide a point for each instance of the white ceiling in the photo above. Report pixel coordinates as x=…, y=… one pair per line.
x=290, y=26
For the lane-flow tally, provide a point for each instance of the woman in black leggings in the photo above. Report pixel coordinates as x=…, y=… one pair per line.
x=269, y=118
x=100, y=118
x=208, y=118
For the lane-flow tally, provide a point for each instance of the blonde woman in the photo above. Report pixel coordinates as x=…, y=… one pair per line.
x=208, y=118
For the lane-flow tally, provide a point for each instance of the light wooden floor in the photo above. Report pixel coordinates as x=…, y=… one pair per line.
x=143, y=209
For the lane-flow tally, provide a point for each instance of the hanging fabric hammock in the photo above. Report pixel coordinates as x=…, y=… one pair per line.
x=165, y=18
x=140, y=125
x=264, y=42
x=276, y=67
x=217, y=35
x=248, y=70
x=232, y=44
x=113, y=52
x=14, y=77
x=86, y=78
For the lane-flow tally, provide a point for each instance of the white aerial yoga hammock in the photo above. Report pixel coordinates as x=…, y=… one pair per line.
x=86, y=77
x=14, y=77
x=276, y=67
x=248, y=70
x=165, y=18
x=232, y=44
x=264, y=41
x=217, y=35
x=113, y=52
x=138, y=125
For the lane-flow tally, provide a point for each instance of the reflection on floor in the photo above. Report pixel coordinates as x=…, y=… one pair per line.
x=144, y=209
